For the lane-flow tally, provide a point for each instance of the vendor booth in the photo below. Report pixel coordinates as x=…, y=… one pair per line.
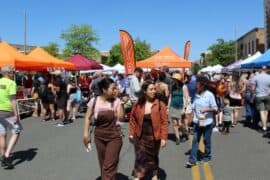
x=250, y=59
x=83, y=63
x=52, y=62
x=10, y=56
x=263, y=60
x=165, y=57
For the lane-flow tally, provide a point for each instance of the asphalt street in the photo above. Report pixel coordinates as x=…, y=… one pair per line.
x=45, y=152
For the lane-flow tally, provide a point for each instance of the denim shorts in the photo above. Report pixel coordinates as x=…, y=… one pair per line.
x=9, y=125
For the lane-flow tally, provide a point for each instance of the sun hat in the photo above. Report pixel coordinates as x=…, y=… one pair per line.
x=189, y=73
x=177, y=76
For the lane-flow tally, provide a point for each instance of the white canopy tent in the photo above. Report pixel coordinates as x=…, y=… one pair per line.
x=206, y=69
x=217, y=68
x=106, y=68
x=212, y=69
x=118, y=67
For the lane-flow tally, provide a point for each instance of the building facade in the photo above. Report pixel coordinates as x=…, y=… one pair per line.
x=250, y=43
x=267, y=23
x=20, y=48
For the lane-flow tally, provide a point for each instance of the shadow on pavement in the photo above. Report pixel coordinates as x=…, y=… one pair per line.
x=162, y=174
x=251, y=125
x=188, y=152
x=22, y=156
x=171, y=137
x=200, y=154
x=119, y=176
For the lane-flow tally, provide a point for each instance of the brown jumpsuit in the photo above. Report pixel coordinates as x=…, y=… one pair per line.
x=108, y=143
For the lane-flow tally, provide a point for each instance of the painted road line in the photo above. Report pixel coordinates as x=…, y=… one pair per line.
x=194, y=169
x=195, y=172
x=201, y=145
x=208, y=175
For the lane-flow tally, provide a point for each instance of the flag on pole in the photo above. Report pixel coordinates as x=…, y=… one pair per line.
x=187, y=49
x=186, y=56
x=128, y=52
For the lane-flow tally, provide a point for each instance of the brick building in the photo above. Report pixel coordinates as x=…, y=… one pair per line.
x=251, y=42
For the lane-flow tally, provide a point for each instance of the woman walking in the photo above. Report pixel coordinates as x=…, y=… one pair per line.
x=235, y=98
x=162, y=89
x=106, y=110
x=148, y=131
x=178, y=101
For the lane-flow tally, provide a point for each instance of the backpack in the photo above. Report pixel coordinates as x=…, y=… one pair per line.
x=78, y=96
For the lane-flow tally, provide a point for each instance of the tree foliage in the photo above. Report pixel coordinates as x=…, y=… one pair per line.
x=80, y=39
x=142, y=51
x=52, y=48
x=115, y=55
x=196, y=68
x=223, y=52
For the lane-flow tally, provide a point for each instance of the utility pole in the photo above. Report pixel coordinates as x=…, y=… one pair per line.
x=24, y=33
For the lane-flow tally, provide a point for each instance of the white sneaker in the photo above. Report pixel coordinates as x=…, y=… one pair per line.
x=119, y=123
x=59, y=125
x=215, y=129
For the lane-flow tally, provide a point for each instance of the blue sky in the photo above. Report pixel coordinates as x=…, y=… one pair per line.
x=158, y=22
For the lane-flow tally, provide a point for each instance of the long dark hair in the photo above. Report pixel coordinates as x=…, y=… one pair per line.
x=177, y=84
x=104, y=84
x=142, y=95
x=162, y=77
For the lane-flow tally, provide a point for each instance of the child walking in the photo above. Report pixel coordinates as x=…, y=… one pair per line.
x=227, y=117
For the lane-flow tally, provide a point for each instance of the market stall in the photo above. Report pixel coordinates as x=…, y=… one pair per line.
x=165, y=57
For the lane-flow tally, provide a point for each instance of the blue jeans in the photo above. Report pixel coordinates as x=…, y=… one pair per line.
x=198, y=132
x=250, y=107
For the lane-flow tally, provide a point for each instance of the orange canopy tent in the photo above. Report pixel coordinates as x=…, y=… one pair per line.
x=165, y=57
x=52, y=62
x=10, y=56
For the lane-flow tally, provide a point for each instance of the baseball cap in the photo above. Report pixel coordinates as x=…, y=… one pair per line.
x=7, y=68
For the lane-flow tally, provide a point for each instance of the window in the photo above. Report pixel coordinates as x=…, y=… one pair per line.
x=245, y=50
x=248, y=48
x=252, y=45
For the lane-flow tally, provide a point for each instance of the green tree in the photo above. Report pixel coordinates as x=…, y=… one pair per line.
x=80, y=39
x=142, y=51
x=196, y=68
x=52, y=48
x=115, y=55
x=223, y=52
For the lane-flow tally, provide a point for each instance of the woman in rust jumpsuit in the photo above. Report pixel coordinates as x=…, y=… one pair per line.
x=148, y=131
x=107, y=110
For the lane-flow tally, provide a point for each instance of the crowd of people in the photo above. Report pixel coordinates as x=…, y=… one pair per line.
x=196, y=104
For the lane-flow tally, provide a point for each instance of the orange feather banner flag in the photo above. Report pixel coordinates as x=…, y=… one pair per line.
x=187, y=49
x=128, y=52
x=186, y=55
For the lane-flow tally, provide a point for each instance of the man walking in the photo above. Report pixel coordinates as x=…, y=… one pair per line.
x=135, y=84
x=204, y=107
x=9, y=118
x=262, y=91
